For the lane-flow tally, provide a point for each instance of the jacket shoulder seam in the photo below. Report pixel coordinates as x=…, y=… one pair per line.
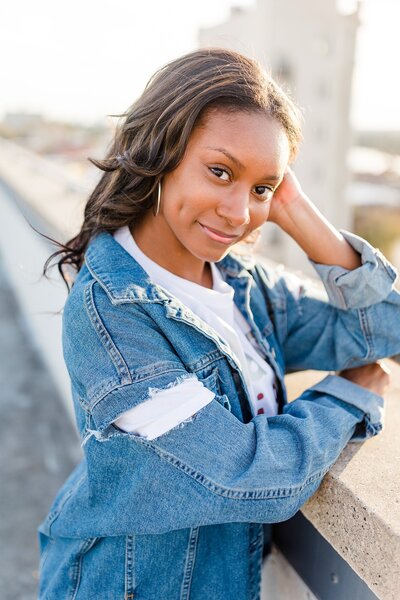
x=104, y=336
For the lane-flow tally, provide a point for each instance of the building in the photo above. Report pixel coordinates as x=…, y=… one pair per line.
x=308, y=47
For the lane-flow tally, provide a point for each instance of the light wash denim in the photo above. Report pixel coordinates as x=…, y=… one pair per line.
x=180, y=517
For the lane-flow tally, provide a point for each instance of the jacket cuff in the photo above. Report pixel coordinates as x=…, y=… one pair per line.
x=368, y=284
x=359, y=397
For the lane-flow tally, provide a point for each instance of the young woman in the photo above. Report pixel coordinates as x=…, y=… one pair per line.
x=177, y=348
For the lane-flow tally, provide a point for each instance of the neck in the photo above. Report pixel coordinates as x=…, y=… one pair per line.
x=172, y=256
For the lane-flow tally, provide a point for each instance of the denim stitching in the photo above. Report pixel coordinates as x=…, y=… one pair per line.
x=141, y=378
x=189, y=563
x=126, y=298
x=205, y=361
x=235, y=494
x=55, y=513
x=45, y=554
x=366, y=331
x=256, y=543
x=77, y=568
x=104, y=336
x=129, y=563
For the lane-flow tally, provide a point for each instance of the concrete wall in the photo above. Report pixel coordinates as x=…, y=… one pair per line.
x=23, y=255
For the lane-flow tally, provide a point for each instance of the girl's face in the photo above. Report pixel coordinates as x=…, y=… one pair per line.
x=219, y=193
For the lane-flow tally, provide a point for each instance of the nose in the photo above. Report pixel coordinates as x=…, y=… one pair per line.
x=234, y=208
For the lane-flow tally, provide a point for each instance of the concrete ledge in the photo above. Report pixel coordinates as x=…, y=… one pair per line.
x=357, y=507
x=41, y=300
x=58, y=198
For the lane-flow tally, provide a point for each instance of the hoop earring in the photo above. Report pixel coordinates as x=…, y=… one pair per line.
x=156, y=206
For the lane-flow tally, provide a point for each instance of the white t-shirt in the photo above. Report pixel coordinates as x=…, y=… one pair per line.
x=169, y=407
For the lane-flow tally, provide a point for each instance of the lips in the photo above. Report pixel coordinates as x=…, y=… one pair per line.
x=219, y=236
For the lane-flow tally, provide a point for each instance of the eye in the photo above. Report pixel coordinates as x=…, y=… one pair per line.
x=220, y=173
x=265, y=192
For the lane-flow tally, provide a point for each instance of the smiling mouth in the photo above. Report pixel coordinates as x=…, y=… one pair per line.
x=219, y=236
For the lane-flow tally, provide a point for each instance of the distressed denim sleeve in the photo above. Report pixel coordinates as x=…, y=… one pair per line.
x=371, y=283
x=211, y=469
x=214, y=469
x=371, y=404
x=354, y=321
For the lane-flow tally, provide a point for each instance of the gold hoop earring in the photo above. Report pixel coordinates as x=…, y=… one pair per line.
x=156, y=207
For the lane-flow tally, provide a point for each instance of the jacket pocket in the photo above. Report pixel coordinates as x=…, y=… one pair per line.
x=61, y=566
x=210, y=379
x=212, y=382
x=75, y=568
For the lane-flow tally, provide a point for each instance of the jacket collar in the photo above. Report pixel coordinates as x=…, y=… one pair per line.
x=124, y=280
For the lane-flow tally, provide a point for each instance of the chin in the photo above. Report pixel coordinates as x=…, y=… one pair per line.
x=207, y=251
x=213, y=256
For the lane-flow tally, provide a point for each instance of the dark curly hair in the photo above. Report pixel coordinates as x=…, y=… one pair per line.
x=152, y=136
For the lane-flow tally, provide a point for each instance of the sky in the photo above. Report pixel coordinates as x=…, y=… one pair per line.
x=81, y=60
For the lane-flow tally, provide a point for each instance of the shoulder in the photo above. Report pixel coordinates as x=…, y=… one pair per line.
x=111, y=346
x=92, y=313
x=90, y=351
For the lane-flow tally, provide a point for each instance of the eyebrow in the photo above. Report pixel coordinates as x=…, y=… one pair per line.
x=237, y=162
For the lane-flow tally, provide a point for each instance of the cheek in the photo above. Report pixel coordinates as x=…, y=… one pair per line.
x=185, y=193
x=260, y=213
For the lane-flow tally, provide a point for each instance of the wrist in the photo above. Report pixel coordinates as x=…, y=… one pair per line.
x=285, y=208
x=289, y=212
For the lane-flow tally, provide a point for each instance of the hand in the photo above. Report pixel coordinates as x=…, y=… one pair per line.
x=374, y=377
x=287, y=193
x=296, y=215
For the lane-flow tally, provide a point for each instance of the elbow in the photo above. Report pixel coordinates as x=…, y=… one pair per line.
x=286, y=508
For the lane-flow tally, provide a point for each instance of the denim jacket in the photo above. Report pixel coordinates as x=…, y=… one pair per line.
x=181, y=516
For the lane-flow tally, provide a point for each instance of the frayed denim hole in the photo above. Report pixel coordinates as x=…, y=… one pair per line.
x=103, y=436
x=152, y=392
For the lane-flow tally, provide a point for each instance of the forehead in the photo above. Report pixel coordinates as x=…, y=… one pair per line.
x=251, y=137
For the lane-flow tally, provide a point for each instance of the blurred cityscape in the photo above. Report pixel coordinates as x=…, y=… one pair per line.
x=371, y=194
x=372, y=191
x=352, y=176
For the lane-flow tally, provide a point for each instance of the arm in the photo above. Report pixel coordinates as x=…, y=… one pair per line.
x=211, y=469
x=355, y=321
x=295, y=214
x=216, y=469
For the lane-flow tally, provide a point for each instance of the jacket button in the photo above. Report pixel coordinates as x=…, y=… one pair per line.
x=260, y=411
x=260, y=396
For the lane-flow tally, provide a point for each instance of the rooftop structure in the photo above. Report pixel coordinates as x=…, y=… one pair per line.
x=308, y=47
